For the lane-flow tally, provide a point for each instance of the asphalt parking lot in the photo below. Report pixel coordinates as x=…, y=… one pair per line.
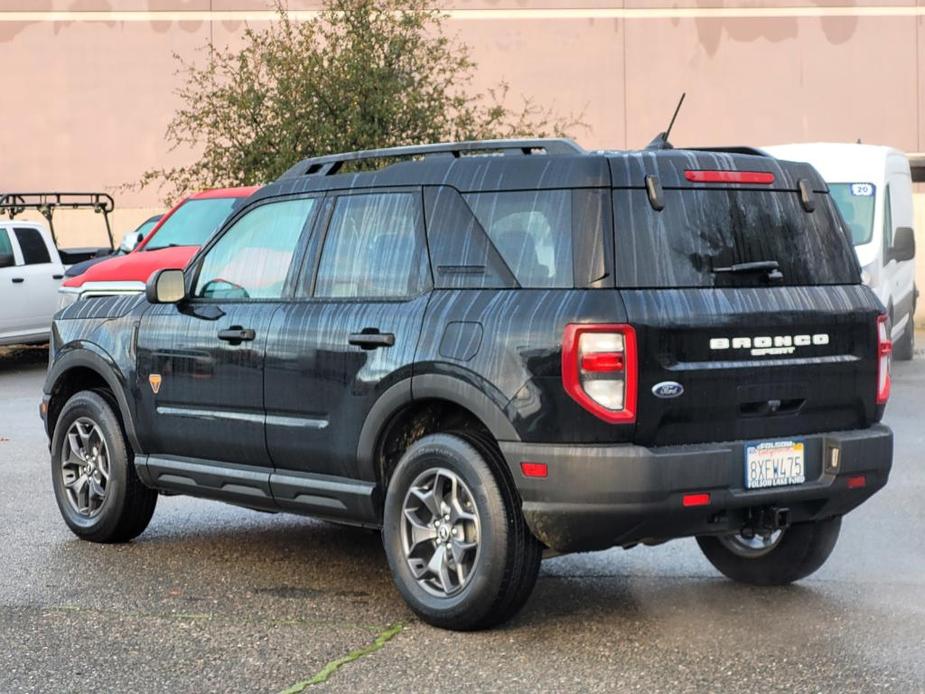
x=217, y=598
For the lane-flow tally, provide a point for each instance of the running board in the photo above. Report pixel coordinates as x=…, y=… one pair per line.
x=325, y=496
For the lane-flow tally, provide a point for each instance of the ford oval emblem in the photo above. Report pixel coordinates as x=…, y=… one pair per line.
x=667, y=389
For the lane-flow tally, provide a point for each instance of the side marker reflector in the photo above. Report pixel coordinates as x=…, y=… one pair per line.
x=857, y=482
x=534, y=469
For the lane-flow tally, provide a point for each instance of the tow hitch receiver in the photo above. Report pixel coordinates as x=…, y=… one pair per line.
x=765, y=520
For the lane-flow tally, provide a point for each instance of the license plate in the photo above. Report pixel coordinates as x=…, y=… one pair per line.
x=774, y=464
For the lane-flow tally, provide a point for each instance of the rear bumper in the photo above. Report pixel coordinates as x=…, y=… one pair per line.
x=596, y=497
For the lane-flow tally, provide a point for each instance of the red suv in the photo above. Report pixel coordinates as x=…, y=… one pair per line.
x=170, y=245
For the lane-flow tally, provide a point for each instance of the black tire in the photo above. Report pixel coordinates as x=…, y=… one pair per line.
x=904, y=348
x=127, y=505
x=801, y=550
x=508, y=556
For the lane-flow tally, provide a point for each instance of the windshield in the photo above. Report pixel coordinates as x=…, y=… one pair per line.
x=192, y=223
x=147, y=226
x=723, y=238
x=855, y=201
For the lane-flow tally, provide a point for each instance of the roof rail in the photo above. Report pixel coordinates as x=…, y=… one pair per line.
x=331, y=164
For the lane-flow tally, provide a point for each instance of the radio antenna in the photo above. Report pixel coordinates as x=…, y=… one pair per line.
x=661, y=140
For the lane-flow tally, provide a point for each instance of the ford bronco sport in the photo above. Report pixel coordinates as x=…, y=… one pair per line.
x=490, y=357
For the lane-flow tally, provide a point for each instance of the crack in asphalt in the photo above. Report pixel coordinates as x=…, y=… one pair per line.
x=325, y=673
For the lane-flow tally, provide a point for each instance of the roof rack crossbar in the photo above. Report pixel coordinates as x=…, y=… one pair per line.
x=330, y=164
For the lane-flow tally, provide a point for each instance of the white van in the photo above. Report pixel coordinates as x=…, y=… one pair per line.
x=872, y=187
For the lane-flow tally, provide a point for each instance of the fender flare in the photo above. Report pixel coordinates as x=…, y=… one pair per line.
x=426, y=387
x=90, y=356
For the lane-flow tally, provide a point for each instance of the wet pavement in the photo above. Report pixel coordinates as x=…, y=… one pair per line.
x=217, y=598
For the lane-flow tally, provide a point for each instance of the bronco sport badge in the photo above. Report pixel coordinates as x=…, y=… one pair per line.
x=764, y=345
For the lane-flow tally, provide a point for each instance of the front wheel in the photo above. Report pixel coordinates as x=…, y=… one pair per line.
x=98, y=492
x=457, y=544
x=775, y=559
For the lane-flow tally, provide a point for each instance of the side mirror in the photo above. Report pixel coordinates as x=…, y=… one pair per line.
x=903, y=244
x=166, y=287
x=6, y=260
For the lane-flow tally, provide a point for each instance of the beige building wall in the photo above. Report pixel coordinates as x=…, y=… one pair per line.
x=88, y=85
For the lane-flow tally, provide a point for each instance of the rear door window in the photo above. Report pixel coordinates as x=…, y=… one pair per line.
x=374, y=248
x=702, y=231
x=32, y=245
x=6, y=250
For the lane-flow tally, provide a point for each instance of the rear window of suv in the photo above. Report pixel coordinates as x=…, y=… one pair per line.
x=699, y=231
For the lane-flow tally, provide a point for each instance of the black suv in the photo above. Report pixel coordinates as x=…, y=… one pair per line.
x=493, y=350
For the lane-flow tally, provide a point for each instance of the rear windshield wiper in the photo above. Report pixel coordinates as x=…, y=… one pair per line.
x=771, y=267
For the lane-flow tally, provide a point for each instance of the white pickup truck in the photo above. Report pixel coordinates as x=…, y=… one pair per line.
x=30, y=273
x=31, y=263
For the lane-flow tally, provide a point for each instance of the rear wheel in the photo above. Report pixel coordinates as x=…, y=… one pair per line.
x=778, y=558
x=457, y=544
x=98, y=492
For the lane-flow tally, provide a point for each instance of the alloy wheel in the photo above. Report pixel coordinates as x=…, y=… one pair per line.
x=440, y=532
x=85, y=467
x=752, y=545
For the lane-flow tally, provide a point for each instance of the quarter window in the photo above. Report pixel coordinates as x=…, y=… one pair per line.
x=34, y=250
x=532, y=231
x=252, y=259
x=373, y=248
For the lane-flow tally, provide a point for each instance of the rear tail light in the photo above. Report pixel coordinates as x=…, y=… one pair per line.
x=760, y=177
x=884, y=359
x=599, y=369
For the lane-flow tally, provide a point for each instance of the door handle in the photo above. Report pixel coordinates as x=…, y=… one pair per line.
x=19, y=280
x=57, y=277
x=236, y=335
x=371, y=338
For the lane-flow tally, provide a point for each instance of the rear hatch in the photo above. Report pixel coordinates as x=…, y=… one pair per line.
x=738, y=275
